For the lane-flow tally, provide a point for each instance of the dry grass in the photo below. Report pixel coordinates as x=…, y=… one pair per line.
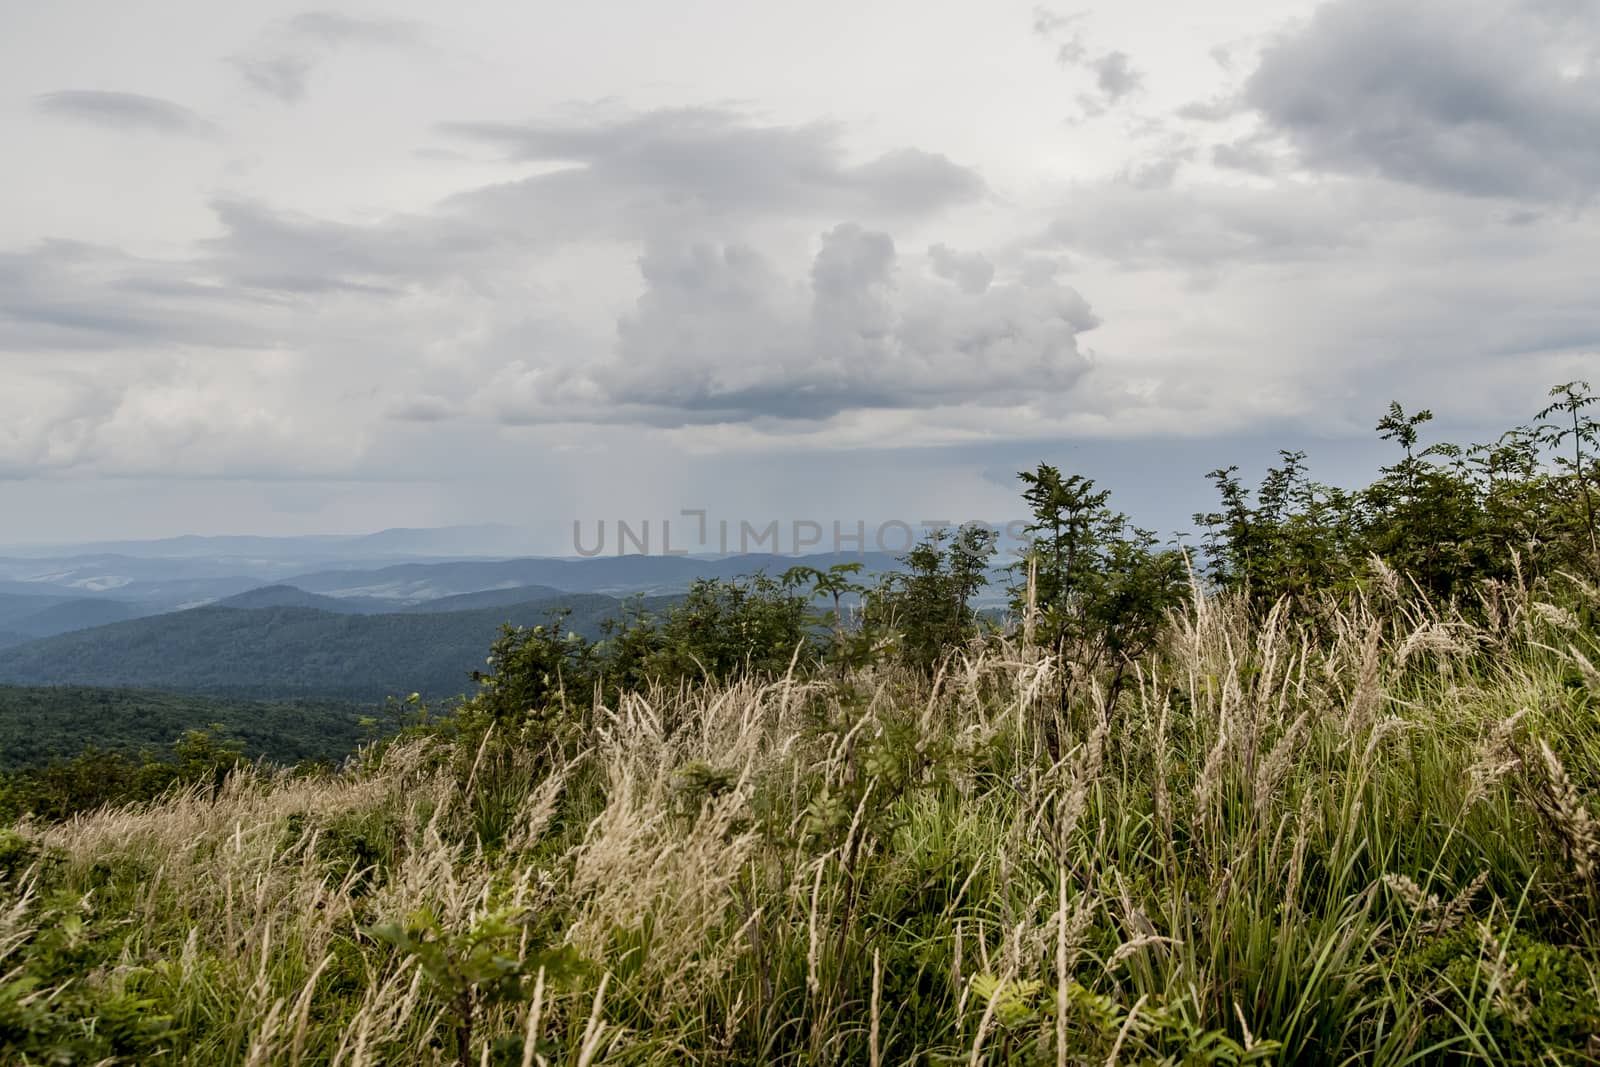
x=1276, y=847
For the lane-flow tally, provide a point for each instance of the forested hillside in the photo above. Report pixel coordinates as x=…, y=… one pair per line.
x=29, y=616
x=290, y=651
x=59, y=722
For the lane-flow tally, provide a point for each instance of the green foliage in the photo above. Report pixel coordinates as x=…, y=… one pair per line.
x=480, y=965
x=1446, y=517
x=1580, y=431
x=532, y=672
x=1097, y=588
x=1520, y=997
x=927, y=612
x=1296, y=540
x=836, y=583
x=720, y=628
x=41, y=724
x=54, y=1010
x=97, y=778
x=1166, y=1033
x=726, y=627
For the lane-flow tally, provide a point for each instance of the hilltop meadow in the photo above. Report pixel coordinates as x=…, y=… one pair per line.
x=1321, y=790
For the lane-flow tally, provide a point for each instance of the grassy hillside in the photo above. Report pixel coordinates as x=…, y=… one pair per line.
x=37, y=724
x=288, y=651
x=1366, y=835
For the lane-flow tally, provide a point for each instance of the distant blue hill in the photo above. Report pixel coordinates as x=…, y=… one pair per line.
x=290, y=651
x=76, y=615
x=613, y=575
x=14, y=605
x=27, y=616
x=288, y=596
x=489, y=598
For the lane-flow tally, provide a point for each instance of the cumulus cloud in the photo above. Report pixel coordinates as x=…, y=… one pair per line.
x=400, y=320
x=282, y=59
x=124, y=111
x=720, y=336
x=1494, y=98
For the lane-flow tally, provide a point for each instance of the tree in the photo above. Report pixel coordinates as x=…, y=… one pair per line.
x=1572, y=399
x=1101, y=586
x=929, y=608
x=1422, y=516
x=836, y=583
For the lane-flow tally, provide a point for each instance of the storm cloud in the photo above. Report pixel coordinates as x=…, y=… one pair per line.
x=1497, y=98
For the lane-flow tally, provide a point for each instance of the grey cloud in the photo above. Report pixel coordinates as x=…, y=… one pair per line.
x=719, y=336
x=280, y=63
x=690, y=162
x=64, y=295
x=265, y=249
x=1216, y=110
x=1246, y=154
x=642, y=181
x=1048, y=24
x=653, y=177
x=279, y=75
x=1497, y=98
x=1205, y=226
x=1156, y=173
x=912, y=181
x=424, y=408
x=124, y=111
x=971, y=271
x=333, y=28
x=1115, y=76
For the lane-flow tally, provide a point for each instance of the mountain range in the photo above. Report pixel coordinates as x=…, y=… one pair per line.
x=292, y=651
x=266, y=617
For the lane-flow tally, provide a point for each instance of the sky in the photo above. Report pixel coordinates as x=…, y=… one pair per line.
x=276, y=269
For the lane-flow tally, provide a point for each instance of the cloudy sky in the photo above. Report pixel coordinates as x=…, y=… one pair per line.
x=277, y=269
